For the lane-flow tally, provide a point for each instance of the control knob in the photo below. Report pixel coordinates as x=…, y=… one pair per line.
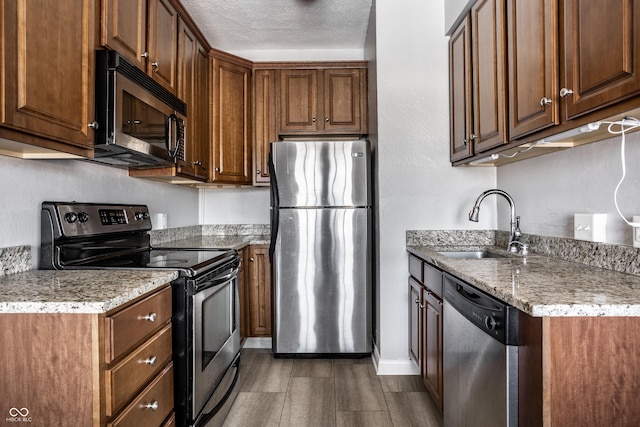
x=83, y=216
x=70, y=217
x=139, y=216
x=491, y=323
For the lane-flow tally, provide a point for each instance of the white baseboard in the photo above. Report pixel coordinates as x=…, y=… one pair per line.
x=393, y=366
x=257, y=343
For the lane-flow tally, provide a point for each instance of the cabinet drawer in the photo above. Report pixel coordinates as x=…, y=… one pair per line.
x=415, y=267
x=128, y=327
x=158, y=394
x=128, y=376
x=433, y=279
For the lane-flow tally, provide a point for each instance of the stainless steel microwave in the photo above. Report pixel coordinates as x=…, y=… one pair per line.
x=138, y=122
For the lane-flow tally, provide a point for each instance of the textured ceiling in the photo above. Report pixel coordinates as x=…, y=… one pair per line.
x=237, y=25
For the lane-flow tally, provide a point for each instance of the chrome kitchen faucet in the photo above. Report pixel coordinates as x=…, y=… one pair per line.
x=514, y=239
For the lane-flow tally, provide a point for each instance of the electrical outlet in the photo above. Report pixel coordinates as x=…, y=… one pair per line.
x=636, y=232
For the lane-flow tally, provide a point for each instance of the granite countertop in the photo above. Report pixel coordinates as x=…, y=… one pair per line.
x=539, y=285
x=76, y=291
x=216, y=241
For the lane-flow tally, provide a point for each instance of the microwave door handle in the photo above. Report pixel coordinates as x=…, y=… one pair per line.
x=169, y=136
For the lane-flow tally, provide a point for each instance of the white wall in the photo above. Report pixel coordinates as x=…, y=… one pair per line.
x=25, y=184
x=418, y=188
x=235, y=206
x=549, y=189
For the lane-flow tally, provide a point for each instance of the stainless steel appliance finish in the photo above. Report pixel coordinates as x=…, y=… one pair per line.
x=321, y=247
x=480, y=358
x=138, y=122
x=206, y=310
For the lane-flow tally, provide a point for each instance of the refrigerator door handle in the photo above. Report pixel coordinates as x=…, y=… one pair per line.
x=275, y=201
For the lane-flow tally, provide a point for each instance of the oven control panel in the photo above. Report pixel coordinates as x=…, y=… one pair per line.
x=86, y=219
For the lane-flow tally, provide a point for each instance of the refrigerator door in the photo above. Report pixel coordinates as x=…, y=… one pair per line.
x=322, y=281
x=321, y=173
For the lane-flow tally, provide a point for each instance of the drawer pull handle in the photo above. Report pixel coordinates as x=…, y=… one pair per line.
x=151, y=360
x=151, y=317
x=153, y=406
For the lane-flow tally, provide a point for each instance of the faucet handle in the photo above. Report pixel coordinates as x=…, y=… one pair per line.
x=517, y=231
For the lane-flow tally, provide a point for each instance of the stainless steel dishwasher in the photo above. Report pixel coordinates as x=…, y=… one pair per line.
x=480, y=358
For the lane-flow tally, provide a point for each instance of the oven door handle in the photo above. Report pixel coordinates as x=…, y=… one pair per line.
x=219, y=280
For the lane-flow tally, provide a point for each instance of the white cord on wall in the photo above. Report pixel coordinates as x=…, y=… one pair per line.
x=626, y=124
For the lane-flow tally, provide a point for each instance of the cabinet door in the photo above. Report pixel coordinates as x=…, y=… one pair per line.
x=265, y=122
x=343, y=107
x=232, y=157
x=298, y=101
x=48, y=63
x=260, y=314
x=202, y=115
x=163, y=43
x=532, y=39
x=415, y=322
x=432, y=336
x=460, y=91
x=488, y=70
x=243, y=286
x=189, y=91
x=124, y=29
x=601, y=53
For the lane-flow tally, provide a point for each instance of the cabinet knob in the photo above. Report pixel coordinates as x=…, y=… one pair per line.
x=251, y=259
x=151, y=317
x=326, y=119
x=155, y=64
x=144, y=55
x=151, y=405
x=421, y=306
x=94, y=125
x=465, y=141
x=473, y=137
x=565, y=92
x=217, y=170
x=417, y=301
x=545, y=101
x=258, y=171
x=151, y=361
x=313, y=120
x=197, y=163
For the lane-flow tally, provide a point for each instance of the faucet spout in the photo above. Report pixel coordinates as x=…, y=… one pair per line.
x=514, y=223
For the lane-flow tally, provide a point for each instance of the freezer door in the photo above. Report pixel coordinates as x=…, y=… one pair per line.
x=321, y=173
x=322, y=281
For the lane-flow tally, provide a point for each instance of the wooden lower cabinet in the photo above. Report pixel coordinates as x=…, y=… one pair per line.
x=259, y=292
x=579, y=371
x=425, y=325
x=55, y=369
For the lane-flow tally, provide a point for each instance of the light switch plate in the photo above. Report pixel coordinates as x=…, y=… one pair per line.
x=590, y=227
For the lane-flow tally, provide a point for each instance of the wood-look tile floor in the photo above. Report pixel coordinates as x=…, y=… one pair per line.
x=325, y=393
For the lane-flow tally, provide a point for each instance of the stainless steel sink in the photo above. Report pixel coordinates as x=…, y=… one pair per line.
x=471, y=254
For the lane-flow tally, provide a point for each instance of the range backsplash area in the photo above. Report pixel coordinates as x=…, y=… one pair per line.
x=15, y=259
x=624, y=259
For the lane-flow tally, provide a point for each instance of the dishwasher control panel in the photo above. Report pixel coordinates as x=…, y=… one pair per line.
x=494, y=317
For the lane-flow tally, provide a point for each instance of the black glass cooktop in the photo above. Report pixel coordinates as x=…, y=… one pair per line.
x=189, y=262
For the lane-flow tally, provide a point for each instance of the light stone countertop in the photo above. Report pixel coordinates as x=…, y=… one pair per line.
x=77, y=291
x=541, y=286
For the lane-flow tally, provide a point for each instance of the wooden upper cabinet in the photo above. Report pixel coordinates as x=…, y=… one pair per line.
x=344, y=104
x=191, y=91
x=601, y=53
x=331, y=101
x=48, y=67
x=298, y=101
x=124, y=29
x=478, y=86
x=488, y=69
x=460, y=91
x=231, y=124
x=266, y=122
x=163, y=43
x=145, y=32
x=532, y=40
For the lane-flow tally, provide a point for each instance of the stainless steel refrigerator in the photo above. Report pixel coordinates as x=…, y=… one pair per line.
x=321, y=247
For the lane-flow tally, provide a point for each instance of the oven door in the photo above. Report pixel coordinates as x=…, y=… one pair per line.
x=216, y=335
